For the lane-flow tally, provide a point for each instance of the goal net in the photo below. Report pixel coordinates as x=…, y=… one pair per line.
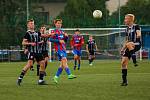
x=109, y=42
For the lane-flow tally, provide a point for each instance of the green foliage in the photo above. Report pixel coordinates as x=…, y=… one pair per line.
x=140, y=8
x=12, y=22
x=78, y=13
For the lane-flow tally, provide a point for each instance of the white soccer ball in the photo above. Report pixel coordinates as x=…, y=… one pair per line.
x=97, y=14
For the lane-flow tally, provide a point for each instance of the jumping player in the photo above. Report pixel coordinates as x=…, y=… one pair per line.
x=132, y=44
x=91, y=47
x=60, y=49
x=76, y=43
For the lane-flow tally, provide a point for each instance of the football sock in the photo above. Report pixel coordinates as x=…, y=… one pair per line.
x=124, y=75
x=75, y=62
x=41, y=75
x=38, y=68
x=22, y=74
x=78, y=63
x=59, y=71
x=134, y=58
x=68, y=71
x=89, y=61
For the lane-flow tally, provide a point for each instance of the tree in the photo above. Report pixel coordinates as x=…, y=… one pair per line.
x=140, y=8
x=78, y=13
x=12, y=19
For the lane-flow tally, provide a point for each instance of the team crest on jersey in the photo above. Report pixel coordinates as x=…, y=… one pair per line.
x=61, y=36
x=31, y=57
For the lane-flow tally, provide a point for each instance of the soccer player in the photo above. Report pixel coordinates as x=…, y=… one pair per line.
x=77, y=42
x=132, y=44
x=33, y=41
x=60, y=49
x=44, y=48
x=91, y=47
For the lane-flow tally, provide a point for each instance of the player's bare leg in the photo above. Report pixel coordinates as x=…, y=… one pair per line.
x=24, y=71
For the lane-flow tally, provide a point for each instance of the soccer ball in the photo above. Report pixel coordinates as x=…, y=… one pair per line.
x=97, y=14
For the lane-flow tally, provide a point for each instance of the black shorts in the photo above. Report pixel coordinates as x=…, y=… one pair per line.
x=92, y=52
x=37, y=56
x=45, y=54
x=127, y=52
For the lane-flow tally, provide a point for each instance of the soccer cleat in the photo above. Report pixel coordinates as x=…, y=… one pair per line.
x=19, y=81
x=74, y=67
x=71, y=76
x=90, y=64
x=55, y=79
x=124, y=84
x=135, y=65
x=78, y=68
x=41, y=82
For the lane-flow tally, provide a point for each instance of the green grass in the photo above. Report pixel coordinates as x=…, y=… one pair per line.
x=99, y=82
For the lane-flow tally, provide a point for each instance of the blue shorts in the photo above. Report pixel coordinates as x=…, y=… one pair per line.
x=61, y=54
x=76, y=52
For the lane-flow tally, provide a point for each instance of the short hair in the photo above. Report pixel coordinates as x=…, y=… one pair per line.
x=77, y=30
x=90, y=36
x=131, y=15
x=43, y=26
x=30, y=20
x=56, y=20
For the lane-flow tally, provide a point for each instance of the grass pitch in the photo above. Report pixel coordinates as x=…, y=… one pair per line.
x=98, y=82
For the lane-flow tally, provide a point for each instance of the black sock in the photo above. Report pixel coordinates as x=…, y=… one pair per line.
x=22, y=74
x=31, y=67
x=124, y=75
x=38, y=68
x=92, y=60
x=75, y=62
x=41, y=76
x=134, y=58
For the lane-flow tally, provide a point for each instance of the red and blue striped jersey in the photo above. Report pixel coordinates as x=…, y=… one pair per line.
x=59, y=34
x=77, y=41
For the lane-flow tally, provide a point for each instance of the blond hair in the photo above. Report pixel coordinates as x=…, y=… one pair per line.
x=131, y=16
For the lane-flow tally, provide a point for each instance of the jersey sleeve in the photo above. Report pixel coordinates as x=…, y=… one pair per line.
x=26, y=36
x=137, y=27
x=39, y=34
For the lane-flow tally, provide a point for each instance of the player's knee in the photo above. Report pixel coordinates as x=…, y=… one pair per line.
x=75, y=57
x=124, y=63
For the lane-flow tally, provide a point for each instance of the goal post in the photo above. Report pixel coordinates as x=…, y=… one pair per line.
x=109, y=41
